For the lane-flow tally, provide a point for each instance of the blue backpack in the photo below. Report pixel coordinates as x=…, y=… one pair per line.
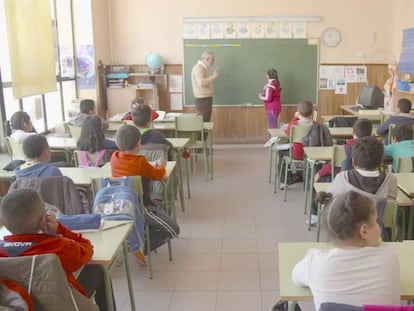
x=116, y=200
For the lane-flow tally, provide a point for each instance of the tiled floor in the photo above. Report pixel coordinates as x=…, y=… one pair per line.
x=226, y=256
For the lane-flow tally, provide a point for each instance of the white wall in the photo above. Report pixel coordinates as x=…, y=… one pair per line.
x=370, y=26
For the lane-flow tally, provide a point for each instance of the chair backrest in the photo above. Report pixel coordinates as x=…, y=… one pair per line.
x=189, y=123
x=59, y=191
x=338, y=156
x=390, y=128
x=153, y=152
x=405, y=165
x=297, y=133
x=96, y=159
x=15, y=149
x=46, y=280
x=136, y=185
x=74, y=131
x=389, y=218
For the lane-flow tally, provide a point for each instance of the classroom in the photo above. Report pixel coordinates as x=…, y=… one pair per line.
x=241, y=231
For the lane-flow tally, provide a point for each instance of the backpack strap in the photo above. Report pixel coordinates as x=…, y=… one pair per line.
x=83, y=157
x=99, y=157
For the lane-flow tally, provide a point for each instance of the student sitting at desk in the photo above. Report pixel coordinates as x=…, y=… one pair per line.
x=20, y=126
x=368, y=177
x=92, y=138
x=36, y=149
x=403, y=117
x=361, y=128
x=87, y=108
x=143, y=117
x=402, y=144
x=22, y=212
x=359, y=270
x=128, y=162
x=134, y=104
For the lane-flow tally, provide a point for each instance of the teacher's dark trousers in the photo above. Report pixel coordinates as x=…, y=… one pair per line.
x=204, y=107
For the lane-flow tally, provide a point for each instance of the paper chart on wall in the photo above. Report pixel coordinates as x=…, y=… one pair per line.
x=230, y=30
x=257, y=29
x=328, y=74
x=190, y=31
x=203, y=31
x=176, y=101
x=285, y=30
x=340, y=86
x=175, y=83
x=243, y=30
x=355, y=74
x=216, y=31
x=299, y=30
x=272, y=30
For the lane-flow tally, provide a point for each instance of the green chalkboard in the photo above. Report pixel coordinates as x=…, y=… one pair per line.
x=243, y=69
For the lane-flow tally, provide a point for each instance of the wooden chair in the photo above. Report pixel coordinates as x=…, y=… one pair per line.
x=191, y=126
x=296, y=135
x=405, y=165
x=45, y=280
x=14, y=149
x=136, y=185
x=338, y=157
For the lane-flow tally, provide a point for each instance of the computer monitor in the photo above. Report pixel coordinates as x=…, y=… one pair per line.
x=370, y=97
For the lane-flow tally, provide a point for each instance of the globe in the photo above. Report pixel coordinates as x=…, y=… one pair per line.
x=154, y=62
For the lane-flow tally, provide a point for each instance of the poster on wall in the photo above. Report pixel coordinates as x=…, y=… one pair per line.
x=85, y=67
x=340, y=86
x=216, y=31
x=243, y=30
x=189, y=30
x=258, y=29
x=272, y=30
x=203, y=31
x=328, y=74
x=354, y=74
x=230, y=30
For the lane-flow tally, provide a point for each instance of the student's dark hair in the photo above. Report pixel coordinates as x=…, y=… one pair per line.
x=86, y=105
x=91, y=135
x=305, y=108
x=362, y=128
x=344, y=213
x=137, y=101
x=402, y=132
x=272, y=73
x=368, y=153
x=127, y=137
x=141, y=115
x=34, y=146
x=16, y=210
x=18, y=118
x=405, y=105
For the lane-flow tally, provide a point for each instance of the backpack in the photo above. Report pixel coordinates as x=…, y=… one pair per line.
x=85, y=162
x=116, y=200
x=318, y=135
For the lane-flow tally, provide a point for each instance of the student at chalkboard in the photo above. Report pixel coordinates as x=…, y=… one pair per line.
x=271, y=98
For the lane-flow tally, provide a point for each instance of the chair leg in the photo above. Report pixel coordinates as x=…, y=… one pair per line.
x=188, y=178
x=270, y=162
x=147, y=235
x=206, y=164
x=286, y=175
x=169, y=250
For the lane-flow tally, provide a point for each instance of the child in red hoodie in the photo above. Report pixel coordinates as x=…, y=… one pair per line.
x=22, y=212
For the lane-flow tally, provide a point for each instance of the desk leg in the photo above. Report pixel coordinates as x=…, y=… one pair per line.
x=307, y=167
x=210, y=144
x=309, y=191
x=277, y=181
x=180, y=179
x=188, y=178
x=108, y=289
x=410, y=224
x=128, y=273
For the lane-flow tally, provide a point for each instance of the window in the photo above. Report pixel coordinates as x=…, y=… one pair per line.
x=49, y=109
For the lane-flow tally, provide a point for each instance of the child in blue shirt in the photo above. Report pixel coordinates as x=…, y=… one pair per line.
x=402, y=144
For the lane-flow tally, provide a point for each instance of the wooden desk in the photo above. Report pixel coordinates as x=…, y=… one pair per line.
x=336, y=132
x=406, y=183
x=64, y=143
x=374, y=114
x=107, y=246
x=291, y=253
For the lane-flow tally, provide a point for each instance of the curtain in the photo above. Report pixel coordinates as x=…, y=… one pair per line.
x=32, y=58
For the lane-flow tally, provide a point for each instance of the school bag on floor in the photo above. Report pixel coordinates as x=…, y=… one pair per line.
x=116, y=200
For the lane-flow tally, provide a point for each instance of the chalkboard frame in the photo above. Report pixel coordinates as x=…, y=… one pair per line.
x=243, y=64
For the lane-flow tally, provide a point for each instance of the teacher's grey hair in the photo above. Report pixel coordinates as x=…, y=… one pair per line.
x=206, y=54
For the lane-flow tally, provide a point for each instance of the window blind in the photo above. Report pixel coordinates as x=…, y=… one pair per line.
x=30, y=35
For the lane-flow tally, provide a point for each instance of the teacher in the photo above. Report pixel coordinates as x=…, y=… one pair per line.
x=203, y=84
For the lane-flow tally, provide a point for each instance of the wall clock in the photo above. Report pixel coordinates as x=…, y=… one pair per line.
x=331, y=37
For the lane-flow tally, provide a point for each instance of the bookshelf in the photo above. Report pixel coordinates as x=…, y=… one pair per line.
x=123, y=83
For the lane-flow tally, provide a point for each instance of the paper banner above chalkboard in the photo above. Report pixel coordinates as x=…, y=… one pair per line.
x=239, y=28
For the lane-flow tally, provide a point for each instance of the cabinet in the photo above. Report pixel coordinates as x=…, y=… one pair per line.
x=124, y=83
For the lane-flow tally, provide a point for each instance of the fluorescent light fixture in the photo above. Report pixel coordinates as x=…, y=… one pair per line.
x=252, y=19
